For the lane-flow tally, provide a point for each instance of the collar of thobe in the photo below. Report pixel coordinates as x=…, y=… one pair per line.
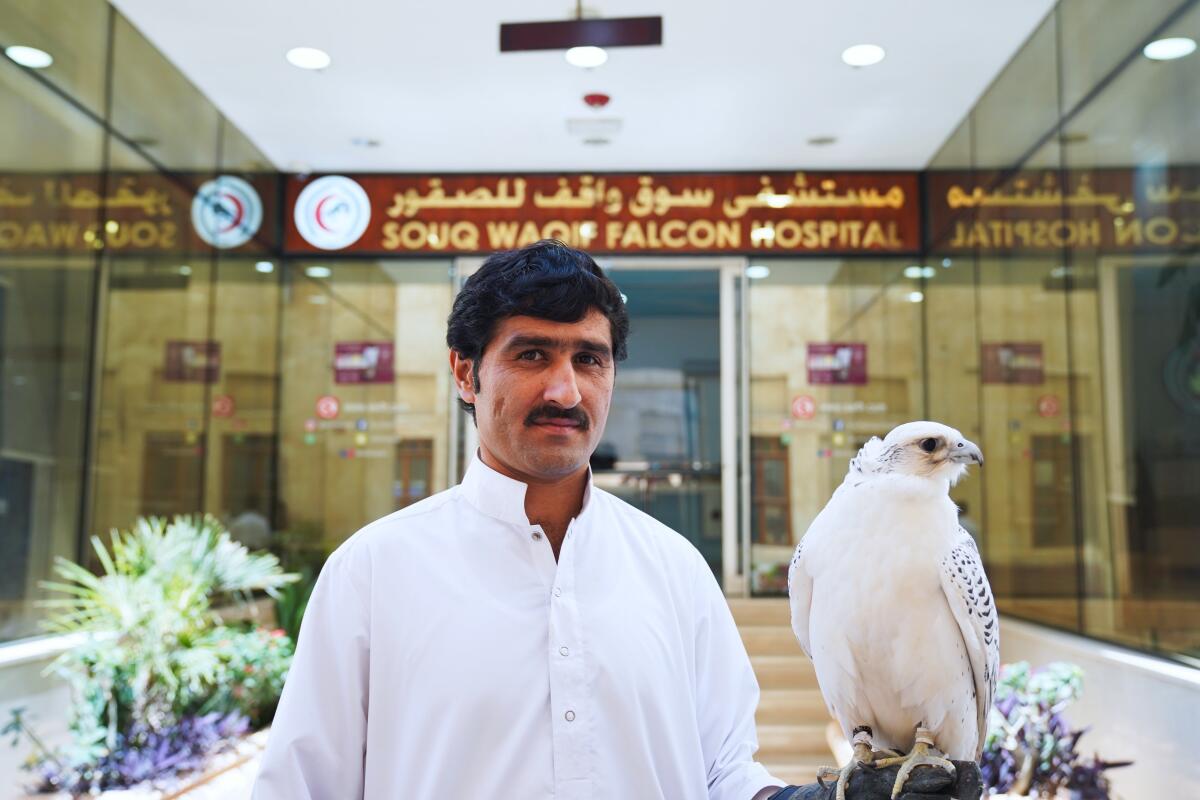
x=503, y=498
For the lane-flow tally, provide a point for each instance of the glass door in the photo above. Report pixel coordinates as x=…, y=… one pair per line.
x=672, y=446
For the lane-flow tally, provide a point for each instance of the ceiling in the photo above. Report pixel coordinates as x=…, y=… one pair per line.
x=740, y=85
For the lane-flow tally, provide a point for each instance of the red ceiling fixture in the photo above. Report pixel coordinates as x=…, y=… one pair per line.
x=596, y=100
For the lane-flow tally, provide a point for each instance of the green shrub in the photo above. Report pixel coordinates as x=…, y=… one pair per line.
x=155, y=655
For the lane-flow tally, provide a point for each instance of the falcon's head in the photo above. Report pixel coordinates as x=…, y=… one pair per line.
x=928, y=450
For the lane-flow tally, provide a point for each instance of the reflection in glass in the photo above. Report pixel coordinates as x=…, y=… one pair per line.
x=661, y=450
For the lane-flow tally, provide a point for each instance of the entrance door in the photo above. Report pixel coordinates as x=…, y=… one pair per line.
x=671, y=445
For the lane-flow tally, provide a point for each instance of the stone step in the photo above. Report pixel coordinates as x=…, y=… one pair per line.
x=785, y=743
x=769, y=640
x=784, y=672
x=790, y=707
x=761, y=611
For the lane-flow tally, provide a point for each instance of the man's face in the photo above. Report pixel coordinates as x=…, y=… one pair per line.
x=544, y=392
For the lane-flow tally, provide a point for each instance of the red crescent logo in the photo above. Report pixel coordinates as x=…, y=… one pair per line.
x=317, y=213
x=237, y=217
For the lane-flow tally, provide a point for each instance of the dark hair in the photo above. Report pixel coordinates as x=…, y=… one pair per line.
x=546, y=279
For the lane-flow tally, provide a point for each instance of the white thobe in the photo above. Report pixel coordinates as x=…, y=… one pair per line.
x=445, y=654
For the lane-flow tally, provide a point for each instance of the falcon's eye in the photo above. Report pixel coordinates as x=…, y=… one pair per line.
x=929, y=445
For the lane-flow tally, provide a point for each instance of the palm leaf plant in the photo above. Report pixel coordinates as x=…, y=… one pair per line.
x=158, y=679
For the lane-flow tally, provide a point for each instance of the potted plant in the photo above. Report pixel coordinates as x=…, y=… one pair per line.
x=1030, y=749
x=159, y=684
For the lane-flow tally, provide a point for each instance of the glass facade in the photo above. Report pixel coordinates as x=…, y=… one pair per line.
x=92, y=433
x=145, y=373
x=1089, y=506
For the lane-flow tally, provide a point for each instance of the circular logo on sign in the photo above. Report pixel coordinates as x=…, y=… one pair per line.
x=332, y=212
x=1048, y=406
x=226, y=211
x=223, y=405
x=804, y=407
x=328, y=407
x=1181, y=374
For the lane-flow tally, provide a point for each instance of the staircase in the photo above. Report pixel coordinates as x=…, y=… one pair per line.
x=793, y=735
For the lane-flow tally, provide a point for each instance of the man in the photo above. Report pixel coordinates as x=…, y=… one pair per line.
x=523, y=635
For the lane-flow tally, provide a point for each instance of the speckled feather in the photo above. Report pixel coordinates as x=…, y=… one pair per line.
x=890, y=601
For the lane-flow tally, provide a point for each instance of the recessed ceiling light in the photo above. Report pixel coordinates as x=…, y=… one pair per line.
x=821, y=141
x=863, y=55
x=757, y=271
x=947, y=263
x=264, y=267
x=586, y=57
x=29, y=56
x=915, y=297
x=185, y=270
x=1169, y=49
x=318, y=272
x=308, y=58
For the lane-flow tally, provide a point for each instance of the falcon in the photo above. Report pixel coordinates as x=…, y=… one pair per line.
x=890, y=601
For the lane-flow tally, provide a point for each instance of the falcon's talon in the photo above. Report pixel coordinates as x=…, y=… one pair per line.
x=923, y=754
x=863, y=755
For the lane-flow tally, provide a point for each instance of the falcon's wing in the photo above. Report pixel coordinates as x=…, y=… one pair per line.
x=800, y=588
x=970, y=598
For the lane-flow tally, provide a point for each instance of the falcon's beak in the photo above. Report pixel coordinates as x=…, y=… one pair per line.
x=966, y=452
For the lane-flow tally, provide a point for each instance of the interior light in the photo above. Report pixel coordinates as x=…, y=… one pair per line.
x=318, y=272
x=863, y=55
x=308, y=58
x=776, y=200
x=586, y=57
x=624, y=298
x=265, y=267
x=757, y=271
x=928, y=272
x=913, y=272
x=763, y=233
x=946, y=263
x=1170, y=48
x=916, y=297
x=29, y=56
x=185, y=270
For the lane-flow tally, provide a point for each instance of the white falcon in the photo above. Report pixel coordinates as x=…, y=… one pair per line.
x=890, y=602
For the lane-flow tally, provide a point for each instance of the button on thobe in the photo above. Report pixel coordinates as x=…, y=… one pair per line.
x=445, y=653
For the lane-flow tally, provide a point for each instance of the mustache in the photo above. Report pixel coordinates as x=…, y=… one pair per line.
x=544, y=413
